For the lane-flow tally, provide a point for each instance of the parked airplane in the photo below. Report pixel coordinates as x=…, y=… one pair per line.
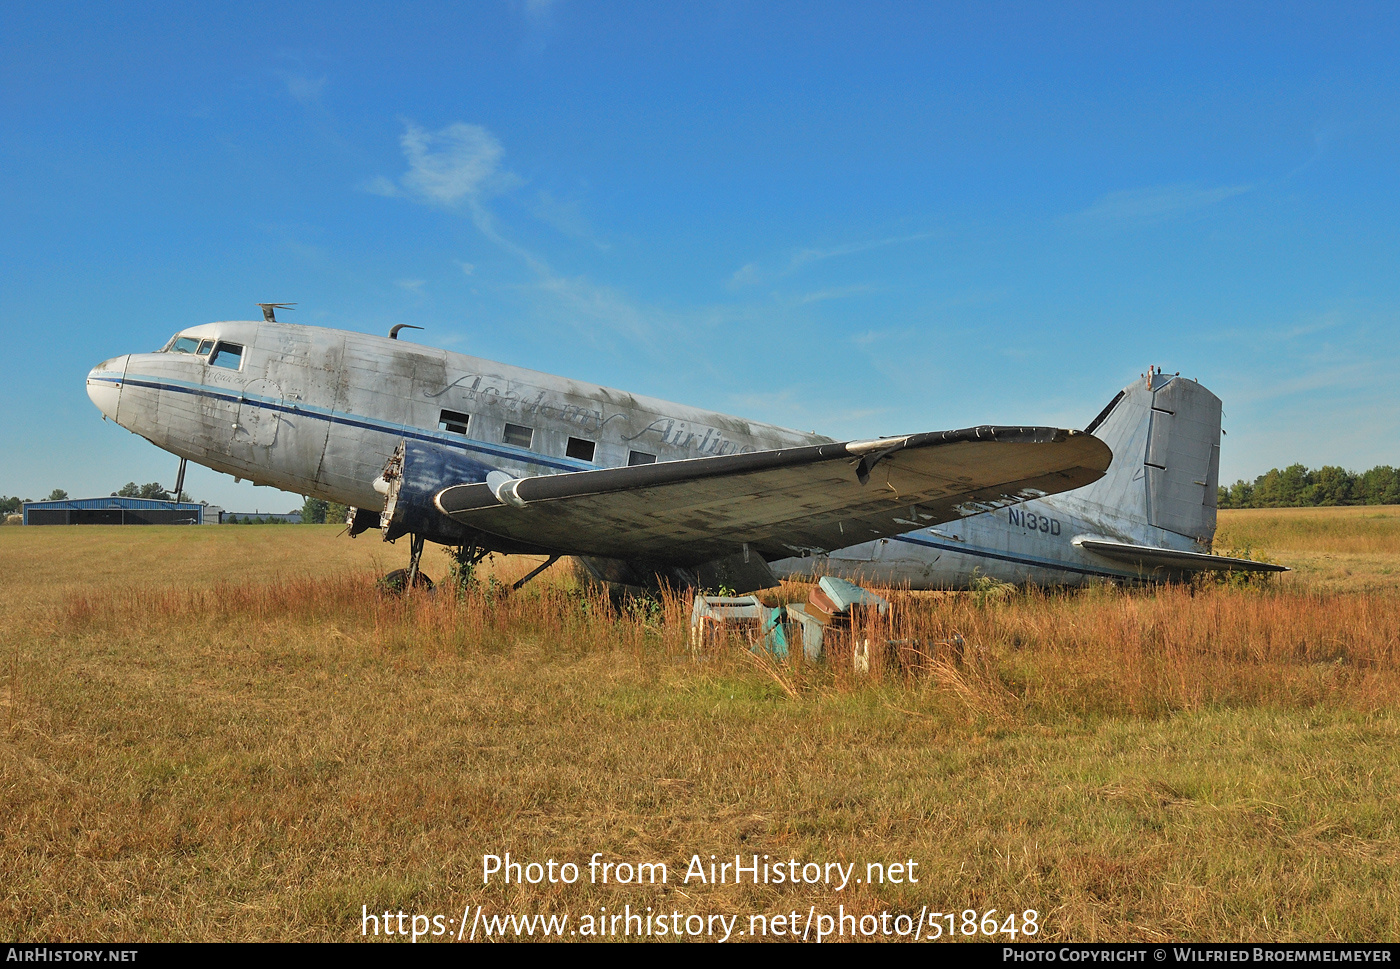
x=447, y=448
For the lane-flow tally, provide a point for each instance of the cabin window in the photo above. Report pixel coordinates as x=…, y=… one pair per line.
x=579, y=449
x=185, y=344
x=227, y=355
x=204, y=347
x=635, y=458
x=517, y=435
x=451, y=420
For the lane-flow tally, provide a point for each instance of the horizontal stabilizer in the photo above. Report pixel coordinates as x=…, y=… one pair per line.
x=1149, y=557
x=781, y=502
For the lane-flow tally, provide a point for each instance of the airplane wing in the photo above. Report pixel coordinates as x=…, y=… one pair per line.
x=1148, y=557
x=779, y=503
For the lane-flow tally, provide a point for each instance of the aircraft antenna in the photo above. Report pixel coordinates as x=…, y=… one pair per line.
x=394, y=330
x=268, y=309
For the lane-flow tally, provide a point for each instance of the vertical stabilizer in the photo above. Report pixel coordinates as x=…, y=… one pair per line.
x=1164, y=432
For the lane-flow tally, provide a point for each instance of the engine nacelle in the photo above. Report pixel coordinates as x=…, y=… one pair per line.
x=411, y=478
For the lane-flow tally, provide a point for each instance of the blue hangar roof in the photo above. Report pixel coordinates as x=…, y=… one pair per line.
x=128, y=504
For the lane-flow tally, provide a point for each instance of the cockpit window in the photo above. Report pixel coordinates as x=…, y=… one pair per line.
x=229, y=355
x=188, y=344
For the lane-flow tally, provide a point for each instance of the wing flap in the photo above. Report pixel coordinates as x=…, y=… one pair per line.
x=779, y=502
x=1148, y=557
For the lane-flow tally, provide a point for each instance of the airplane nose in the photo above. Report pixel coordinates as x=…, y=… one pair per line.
x=104, y=385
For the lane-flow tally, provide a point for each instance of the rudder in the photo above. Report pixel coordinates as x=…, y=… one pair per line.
x=1164, y=432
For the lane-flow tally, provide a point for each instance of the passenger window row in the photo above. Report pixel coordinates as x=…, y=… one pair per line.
x=518, y=435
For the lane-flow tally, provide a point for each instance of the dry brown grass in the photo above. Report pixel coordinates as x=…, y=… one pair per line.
x=1353, y=549
x=256, y=750
x=1372, y=529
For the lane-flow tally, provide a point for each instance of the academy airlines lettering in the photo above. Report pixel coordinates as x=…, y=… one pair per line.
x=672, y=431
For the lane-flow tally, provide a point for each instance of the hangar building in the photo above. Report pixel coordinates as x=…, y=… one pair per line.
x=115, y=511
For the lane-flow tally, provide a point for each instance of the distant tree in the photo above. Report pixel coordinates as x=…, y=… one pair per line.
x=1238, y=495
x=8, y=506
x=1379, y=486
x=154, y=491
x=58, y=494
x=129, y=490
x=313, y=512
x=1330, y=486
x=336, y=513
x=1298, y=486
x=1282, y=489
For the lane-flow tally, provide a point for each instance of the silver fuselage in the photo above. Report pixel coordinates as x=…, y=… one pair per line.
x=318, y=412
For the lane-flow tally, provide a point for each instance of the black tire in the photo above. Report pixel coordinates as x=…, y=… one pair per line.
x=395, y=581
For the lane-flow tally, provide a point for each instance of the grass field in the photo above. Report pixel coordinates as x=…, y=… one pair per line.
x=1355, y=548
x=228, y=733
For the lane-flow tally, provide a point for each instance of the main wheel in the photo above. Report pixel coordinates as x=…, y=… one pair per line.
x=395, y=581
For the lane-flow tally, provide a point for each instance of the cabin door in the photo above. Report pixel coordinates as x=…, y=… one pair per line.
x=259, y=413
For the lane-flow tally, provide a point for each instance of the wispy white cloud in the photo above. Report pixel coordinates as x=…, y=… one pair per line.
x=304, y=83
x=306, y=90
x=869, y=338
x=752, y=274
x=802, y=409
x=1272, y=333
x=1322, y=140
x=1329, y=321
x=835, y=292
x=1333, y=371
x=456, y=165
x=806, y=256
x=414, y=286
x=745, y=275
x=539, y=12
x=591, y=305
x=382, y=186
x=458, y=168
x=567, y=217
x=1157, y=202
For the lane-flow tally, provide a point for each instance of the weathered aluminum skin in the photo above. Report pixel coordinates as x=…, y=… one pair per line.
x=318, y=412
x=1160, y=491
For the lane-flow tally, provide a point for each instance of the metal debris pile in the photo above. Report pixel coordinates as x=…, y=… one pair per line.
x=833, y=609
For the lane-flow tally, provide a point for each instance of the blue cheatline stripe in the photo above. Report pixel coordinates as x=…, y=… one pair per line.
x=505, y=451
x=1018, y=560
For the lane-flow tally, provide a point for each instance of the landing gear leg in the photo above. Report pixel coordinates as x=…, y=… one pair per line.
x=401, y=580
x=464, y=562
x=548, y=562
x=415, y=553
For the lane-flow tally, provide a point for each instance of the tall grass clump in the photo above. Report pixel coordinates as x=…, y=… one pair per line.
x=1144, y=652
x=994, y=653
x=453, y=619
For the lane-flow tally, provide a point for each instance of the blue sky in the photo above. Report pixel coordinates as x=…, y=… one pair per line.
x=859, y=219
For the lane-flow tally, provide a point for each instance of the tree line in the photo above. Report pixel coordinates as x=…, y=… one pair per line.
x=318, y=511
x=1298, y=486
